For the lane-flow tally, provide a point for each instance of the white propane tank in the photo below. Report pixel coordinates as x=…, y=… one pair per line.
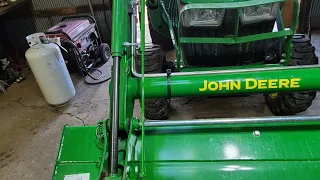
x=50, y=71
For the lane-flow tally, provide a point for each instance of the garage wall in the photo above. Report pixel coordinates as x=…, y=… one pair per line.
x=315, y=14
x=18, y=29
x=315, y=9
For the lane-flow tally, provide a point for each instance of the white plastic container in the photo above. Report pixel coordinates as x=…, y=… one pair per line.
x=50, y=71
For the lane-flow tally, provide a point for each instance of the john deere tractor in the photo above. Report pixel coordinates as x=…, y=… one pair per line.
x=222, y=47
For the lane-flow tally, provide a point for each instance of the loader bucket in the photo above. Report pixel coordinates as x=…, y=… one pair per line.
x=277, y=147
x=237, y=150
x=80, y=154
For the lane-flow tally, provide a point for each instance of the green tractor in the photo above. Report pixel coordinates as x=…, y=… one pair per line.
x=223, y=48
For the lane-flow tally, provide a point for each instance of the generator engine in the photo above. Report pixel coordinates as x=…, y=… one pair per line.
x=81, y=39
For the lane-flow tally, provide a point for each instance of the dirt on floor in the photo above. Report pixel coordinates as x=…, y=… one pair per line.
x=30, y=129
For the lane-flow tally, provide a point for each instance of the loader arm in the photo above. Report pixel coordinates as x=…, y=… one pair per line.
x=124, y=147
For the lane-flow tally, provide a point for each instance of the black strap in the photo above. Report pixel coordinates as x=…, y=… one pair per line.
x=168, y=82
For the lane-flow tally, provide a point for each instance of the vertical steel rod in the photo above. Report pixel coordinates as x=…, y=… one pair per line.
x=142, y=48
x=115, y=117
x=134, y=30
x=91, y=9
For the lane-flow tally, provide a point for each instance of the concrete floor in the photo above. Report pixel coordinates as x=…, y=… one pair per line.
x=30, y=129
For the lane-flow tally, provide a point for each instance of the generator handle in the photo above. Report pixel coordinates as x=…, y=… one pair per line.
x=90, y=18
x=56, y=32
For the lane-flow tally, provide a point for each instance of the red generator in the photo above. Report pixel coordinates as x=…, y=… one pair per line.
x=80, y=38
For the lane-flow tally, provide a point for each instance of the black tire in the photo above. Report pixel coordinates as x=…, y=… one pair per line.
x=157, y=38
x=157, y=108
x=104, y=52
x=303, y=53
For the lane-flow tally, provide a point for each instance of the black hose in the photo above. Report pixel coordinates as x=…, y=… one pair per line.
x=81, y=65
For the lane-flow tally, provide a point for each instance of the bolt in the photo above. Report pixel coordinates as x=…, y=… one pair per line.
x=270, y=56
x=256, y=133
x=273, y=95
x=130, y=44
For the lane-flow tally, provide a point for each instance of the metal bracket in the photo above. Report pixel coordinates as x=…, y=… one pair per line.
x=132, y=7
x=134, y=3
x=128, y=44
x=169, y=82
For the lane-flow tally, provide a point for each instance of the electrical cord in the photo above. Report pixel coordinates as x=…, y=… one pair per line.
x=80, y=62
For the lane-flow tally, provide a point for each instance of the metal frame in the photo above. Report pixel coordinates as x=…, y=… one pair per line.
x=128, y=85
x=138, y=84
x=285, y=33
x=234, y=121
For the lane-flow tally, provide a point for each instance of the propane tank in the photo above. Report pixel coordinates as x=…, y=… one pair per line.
x=49, y=69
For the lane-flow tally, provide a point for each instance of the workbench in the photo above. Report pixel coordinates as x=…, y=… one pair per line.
x=12, y=6
x=8, y=12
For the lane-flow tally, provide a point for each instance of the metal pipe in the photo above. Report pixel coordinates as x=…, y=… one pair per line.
x=91, y=9
x=142, y=49
x=220, y=121
x=136, y=74
x=134, y=31
x=271, y=80
x=115, y=116
x=134, y=17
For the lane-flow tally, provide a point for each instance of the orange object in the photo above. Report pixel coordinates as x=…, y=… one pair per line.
x=287, y=13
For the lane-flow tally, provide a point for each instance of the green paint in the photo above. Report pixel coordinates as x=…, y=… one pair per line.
x=175, y=41
x=142, y=48
x=288, y=42
x=230, y=170
x=189, y=85
x=118, y=33
x=80, y=152
x=235, y=39
x=224, y=151
x=258, y=65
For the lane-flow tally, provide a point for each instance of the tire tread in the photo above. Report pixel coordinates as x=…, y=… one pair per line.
x=303, y=53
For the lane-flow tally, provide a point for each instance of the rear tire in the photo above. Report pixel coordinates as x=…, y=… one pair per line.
x=157, y=108
x=303, y=53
